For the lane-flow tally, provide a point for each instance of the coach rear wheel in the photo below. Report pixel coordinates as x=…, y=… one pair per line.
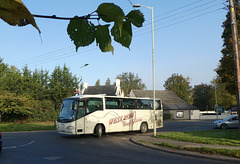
x=143, y=128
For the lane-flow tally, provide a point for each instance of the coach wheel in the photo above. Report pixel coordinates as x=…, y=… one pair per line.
x=143, y=128
x=99, y=131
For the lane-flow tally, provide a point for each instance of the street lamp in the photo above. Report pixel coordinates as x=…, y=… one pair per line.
x=80, y=76
x=216, y=105
x=153, y=72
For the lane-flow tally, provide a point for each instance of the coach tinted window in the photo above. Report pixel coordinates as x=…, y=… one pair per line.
x=112, y=103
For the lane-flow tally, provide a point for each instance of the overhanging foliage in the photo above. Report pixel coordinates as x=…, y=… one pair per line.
x=80, y=30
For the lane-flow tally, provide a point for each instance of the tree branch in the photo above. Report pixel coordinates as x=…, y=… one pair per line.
x=65, y=18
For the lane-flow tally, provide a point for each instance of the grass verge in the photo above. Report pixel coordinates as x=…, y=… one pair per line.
x=229, y=137
x=204, y=150
x=38, y=126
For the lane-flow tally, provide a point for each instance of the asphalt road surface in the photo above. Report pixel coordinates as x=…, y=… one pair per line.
x=52, y=148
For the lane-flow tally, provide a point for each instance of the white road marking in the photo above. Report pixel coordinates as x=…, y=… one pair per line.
x=14, y=147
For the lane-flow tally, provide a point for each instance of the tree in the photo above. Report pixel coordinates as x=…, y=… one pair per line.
x=13, y=81
x=41, y=88
x=180, y=86
x=224, y=98
x=108, y=82
x=202, y=95
x=13, y=106
x=129, y=81
x=3, y=70
x=27, y=81
x=62, y=83
x=80, y=30
x=226, y=66
x=97, y=82
x=27, y=95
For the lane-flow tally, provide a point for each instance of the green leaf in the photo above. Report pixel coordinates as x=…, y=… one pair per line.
x=128, y=27
x=108, y=48
x=81, y=32
x=103, y=38
x=110, y=12
x=136, y=18
x=126, y=37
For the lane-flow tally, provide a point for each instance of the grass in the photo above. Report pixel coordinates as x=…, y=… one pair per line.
x=204, y=150
x=229, y=137
x=38, y=126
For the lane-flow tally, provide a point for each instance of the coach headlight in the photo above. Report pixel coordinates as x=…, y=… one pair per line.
x=70, y=127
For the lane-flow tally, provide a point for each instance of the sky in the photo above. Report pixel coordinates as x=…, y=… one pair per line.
x=187, y=41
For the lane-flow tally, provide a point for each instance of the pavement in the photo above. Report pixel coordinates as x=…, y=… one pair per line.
x=147, y=140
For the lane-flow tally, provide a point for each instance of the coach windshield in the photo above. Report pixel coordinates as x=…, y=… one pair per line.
x=67, y=110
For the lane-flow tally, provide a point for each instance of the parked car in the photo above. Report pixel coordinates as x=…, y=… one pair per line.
x=0, y=142
x=229, y=122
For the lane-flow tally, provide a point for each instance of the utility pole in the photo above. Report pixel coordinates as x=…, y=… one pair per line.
x=80, y=77
x=153, y=72
x=216, y=105
x=236, y=52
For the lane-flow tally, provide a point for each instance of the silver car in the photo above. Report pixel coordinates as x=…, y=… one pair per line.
x=229, y=122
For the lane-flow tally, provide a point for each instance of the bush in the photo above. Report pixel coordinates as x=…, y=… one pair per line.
x=166, y=116
x=14, y=108
x=44, y=111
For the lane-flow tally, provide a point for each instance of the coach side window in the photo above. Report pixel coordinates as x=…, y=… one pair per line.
x=143, y=104
x=80, y=112
x=128, y=104
x=94, y=104
x=112, y=103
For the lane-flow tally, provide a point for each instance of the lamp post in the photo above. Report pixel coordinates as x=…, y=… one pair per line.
x=216, y=105
x=80, y=76
x=153, y=72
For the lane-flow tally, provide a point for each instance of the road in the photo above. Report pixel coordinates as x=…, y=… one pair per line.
x=50, y=147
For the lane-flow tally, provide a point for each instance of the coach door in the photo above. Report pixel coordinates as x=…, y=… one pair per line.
x=159, y=114
x=80, y=119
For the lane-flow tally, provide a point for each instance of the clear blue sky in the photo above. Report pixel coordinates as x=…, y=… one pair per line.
x=187, y=41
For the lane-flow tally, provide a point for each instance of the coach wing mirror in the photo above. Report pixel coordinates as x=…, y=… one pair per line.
x=156, y=105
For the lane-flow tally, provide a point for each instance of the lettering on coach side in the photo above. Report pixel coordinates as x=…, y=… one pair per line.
x=126, y=120
x=115, y=120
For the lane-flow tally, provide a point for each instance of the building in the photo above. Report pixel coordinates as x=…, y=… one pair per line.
x=172, y=104
x=111, y=90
